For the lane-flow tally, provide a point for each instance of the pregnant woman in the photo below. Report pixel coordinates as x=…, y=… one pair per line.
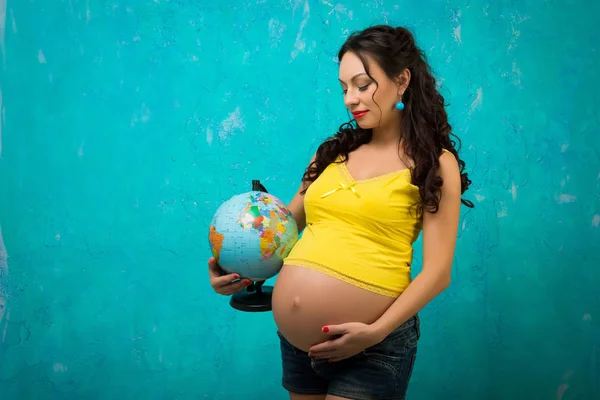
x=344, y=302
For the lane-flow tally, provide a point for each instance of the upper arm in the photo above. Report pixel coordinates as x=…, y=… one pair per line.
x=296, y=205
x=440, y=229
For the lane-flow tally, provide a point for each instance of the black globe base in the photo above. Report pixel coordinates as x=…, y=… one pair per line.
x=256, y=298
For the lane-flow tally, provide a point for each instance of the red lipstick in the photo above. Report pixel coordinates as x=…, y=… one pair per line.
x=359, y=113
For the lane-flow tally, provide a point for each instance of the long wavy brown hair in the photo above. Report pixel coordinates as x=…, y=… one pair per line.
x=426, y=129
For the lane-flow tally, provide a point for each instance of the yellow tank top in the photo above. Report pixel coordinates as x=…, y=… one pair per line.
x=360, y=232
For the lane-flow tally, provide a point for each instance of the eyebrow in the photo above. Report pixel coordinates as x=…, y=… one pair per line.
x=354, y=77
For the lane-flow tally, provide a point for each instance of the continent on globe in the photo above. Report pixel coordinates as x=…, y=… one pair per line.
x=266, y=220
x=216, y=241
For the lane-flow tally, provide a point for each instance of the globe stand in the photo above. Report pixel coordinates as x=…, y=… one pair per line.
x=256, y=297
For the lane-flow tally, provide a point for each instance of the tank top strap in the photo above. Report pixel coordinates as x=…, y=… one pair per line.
x=444, y=150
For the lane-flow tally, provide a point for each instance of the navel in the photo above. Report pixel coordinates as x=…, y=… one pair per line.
x=296, y=302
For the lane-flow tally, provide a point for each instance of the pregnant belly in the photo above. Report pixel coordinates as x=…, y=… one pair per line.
x=305, y=300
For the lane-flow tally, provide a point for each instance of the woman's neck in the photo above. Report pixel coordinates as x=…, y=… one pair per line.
x=388, y=134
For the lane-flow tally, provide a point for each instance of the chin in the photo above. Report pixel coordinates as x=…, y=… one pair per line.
x=366, y=124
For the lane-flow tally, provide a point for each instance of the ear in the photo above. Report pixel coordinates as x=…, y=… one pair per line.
x=403, y=79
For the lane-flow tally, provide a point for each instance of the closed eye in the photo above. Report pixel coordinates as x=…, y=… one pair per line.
x=363, y=88
x=360, y=88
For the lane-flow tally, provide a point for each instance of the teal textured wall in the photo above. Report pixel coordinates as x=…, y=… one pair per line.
x=124, y=124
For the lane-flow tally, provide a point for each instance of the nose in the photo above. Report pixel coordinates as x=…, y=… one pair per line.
x=351, y=99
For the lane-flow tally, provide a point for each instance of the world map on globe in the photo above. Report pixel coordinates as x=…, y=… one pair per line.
x=251, y=233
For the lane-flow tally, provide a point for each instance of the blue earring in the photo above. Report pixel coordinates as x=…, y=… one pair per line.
x=400, y=106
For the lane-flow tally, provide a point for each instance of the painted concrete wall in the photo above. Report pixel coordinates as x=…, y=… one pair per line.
x=124, y=124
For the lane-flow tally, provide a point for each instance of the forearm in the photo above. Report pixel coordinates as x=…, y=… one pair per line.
x=425, y=287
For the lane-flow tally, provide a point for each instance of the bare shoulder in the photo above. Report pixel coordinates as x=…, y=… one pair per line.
x=449, y=171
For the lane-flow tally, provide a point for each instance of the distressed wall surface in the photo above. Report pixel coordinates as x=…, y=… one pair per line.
x=124, y=124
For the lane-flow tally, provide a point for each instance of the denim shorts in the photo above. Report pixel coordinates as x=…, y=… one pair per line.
x=379, y=372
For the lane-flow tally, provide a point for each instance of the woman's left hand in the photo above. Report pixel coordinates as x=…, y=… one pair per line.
x=346, y=341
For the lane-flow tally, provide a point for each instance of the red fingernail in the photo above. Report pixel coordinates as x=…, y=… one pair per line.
x=236, y=277
x=325, y=329
x=247, y=282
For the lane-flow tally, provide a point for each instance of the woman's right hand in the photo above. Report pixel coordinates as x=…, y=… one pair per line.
x=224, y=284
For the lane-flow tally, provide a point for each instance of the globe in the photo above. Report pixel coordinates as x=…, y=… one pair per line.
x=251, y=233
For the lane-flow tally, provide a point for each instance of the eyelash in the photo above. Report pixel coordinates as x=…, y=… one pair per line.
x=360, y=89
